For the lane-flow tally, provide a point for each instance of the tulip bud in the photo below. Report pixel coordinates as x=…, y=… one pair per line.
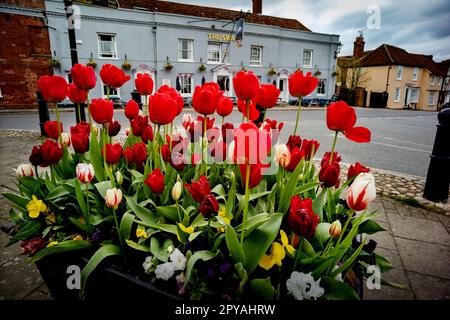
x=187, y=117
x=231, y=148
x=94, y=129
x=335, y=229
x=127, y=131
x=113, y=197
x=361, y=192
x=25, y=170
x=119, y=178
x=283, y=155
x=65, y=138
x=85, y=172
x=176, y=191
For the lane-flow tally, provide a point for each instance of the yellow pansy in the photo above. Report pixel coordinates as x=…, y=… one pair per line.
x=140, y=233
x=78, y=237
x=50, y=218
x=35, y=207
x=185, y=229
x=223, y=219
x=51, y=244
x=276, y=256
x=285, y=242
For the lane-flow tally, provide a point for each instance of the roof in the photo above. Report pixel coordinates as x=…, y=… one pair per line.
x=387, y=54
x=444, y=66
x=211, y=13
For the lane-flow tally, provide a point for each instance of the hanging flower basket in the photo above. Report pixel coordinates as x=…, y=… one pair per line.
x=168, y=66
x=92, y=63
x=55, y=63
x=202, y=68
x=272, y=72
x=169, y=217
x=126, y=65
x=317, y=73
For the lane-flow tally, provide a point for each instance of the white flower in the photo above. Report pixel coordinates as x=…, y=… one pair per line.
x=25, y=170
x=338, y=276
x=302, y=286
x=176, y=190
x=164, y=271
x=282, y=155
x=147, y=263
x=361, y=192
x=178, y=260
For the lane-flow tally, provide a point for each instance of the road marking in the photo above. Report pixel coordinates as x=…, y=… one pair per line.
x=400, y=147
x=405, y=141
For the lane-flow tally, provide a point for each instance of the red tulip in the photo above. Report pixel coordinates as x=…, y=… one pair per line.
x=138, y=125
x=342, y=117
x=310, y=148
x=256, y=172
x=51, y=152
x=113, y=76
x=113, y=128
x=251, y=144
x=83, y=77
x=209, y=206
x=224, y=106
x=242, y=107
x=302, y=220
x=300, y=85
x=79, y=135
x=33, y=245
x=155, y=181
x=76, y=95
x=199, y=189
x=113, y=153
x=53, y=88
x=144, y=84
x=51, y=129
x=267, y=96
x=101, y=110
x=177, y=161
x=294, y=141
x=139, y=153
x=326, y=158
x=163, y=108
x=147, y=136
x=36, y=158
x=355, y=170
x=227, y=132
x=205, y=98
x=246, y=85
x=131, y=109
x=329, y=174
x=296, y=156
x=175, y=95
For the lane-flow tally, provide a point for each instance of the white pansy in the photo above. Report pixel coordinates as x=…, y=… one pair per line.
x=178, y=260
x=303, y=287
x=164, y=271
x=147, y=264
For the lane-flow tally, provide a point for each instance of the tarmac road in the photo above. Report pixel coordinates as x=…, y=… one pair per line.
x=402, y=140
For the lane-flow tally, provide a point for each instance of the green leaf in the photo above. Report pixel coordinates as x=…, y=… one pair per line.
x=383, y=263
x=70, y=245
x=337, y=290
x=58, y=192
x=318, y=204
x=15, y=217
x=30, y=228
x=169, y=212
x=233, y=245
x=170, y=228
x=231, y=200
x=306, y=187
x=95, y=156
x=203, y=255
x=102, y=253
x=370, y=227
x=348, y=262
x=289, y=188
x=219, y=190
x=142, y=213
x=254, y=222
x=259, y=240
x=160, y=252
x=322, y=231
x=80, y=198
x=79, y=224
x=137, y=246
x=102, y=187
x=125, y=225
x=18, y=200
x=263, y=288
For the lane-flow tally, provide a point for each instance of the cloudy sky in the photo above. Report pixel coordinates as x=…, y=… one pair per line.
x=418, y=26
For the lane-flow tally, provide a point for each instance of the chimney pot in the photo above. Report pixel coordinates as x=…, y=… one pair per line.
x=358, y=46
x=257, y=6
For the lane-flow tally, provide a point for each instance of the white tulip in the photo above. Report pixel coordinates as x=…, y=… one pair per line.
x=282, y=155
x=113, y=197
x=65, y=138
x=85, y=172
x=176, y=190
x=361, y=192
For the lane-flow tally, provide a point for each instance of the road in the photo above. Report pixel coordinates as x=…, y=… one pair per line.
x=402, y=140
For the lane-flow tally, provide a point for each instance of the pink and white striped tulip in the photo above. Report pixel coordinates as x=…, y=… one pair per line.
x=283, y=155
x=113, y=197
x=85, y=172
x=25, y=170
x=361, y=192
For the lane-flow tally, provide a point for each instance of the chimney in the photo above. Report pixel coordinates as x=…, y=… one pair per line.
x=257, y=6
x=358, y=46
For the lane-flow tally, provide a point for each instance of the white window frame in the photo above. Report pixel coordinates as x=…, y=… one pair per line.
x=310, y=58
x=399, y=74
x=190, y=49
x=412, y=98
x=321, y=86
x=433, y=79
x=115, y=54
x=255, y=62
x=439, y=79
x=210, y=43
x=397, y=94
x=415, y=73
x=431, y=98
x=103, y=89
x=182, y=76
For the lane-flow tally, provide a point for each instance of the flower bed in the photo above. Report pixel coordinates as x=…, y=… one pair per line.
x=205, y=211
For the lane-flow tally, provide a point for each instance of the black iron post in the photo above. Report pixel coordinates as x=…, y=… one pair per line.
x=438, y=177
x=73, y=49
x=43, y=112
x=136, y=96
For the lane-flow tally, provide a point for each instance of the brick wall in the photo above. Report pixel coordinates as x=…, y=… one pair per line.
x=25, y=55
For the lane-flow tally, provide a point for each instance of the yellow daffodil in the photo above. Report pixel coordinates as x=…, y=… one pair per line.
x=222, y=217
x=51, y=244
x=140, y=233
x=50, y=218
x=285, y=242
x=78, y=237
x=35, y=207
x=185, y=229
x=276, y=256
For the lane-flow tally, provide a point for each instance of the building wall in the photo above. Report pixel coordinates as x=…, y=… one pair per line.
x=24, y=56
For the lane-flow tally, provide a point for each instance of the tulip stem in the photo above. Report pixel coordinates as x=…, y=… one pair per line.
x=330, y=241
x=146, y=107
x=350, y=215
x=333, y=146
x=89, y=112
x=155, y=138
x=79, y=112
x=247, y=109
x=86, y=219
x=223, y=120
x=170, y=141
x=247, y=196
x=208, y=231
x=298, y=115
x=104, y=149
x=205, y=145
x=58, y=122
x=117, y=226
x=299, y=249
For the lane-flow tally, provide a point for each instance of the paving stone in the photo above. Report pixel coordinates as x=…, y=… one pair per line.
x=429, y=288
x=419, y=229
x=423, y=257
x=38, y=295
x=397, y=274
x=384, y=239
x=387, y=293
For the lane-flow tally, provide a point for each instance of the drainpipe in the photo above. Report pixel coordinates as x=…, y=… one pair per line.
x=387, y=83
x=155, y=50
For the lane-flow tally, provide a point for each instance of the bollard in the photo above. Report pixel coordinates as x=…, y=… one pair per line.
x=136, y=96
x=43, y=111
x=80, y=106
x=438, y=177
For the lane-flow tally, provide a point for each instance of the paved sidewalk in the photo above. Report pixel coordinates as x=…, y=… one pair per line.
x=417, y=241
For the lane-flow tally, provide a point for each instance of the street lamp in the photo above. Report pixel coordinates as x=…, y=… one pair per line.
x=338, y=49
